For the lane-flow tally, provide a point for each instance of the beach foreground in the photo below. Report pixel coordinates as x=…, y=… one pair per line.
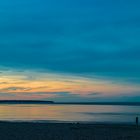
x=67, y=131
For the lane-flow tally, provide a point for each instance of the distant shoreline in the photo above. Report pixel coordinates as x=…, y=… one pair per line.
x=99, y=103
x=25, y=102
x=67, y=103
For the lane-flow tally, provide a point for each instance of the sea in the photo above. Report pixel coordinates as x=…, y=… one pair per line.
x=69, y=113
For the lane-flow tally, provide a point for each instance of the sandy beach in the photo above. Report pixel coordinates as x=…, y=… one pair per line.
x=67, y=131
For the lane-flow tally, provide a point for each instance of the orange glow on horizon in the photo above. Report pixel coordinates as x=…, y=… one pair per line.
x=20, y=86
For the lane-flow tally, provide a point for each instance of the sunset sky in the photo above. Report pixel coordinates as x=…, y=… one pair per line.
x=76, y=50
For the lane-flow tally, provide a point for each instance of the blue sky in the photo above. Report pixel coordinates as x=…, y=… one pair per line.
x=88, y=39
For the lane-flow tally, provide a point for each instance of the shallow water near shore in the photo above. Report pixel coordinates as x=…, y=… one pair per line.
x=70, y=113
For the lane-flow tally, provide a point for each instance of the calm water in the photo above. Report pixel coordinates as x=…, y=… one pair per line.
x=91, y=113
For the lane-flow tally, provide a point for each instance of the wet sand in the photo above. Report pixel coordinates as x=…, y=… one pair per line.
x=67, y=131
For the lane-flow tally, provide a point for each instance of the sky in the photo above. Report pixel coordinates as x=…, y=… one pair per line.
x=70, y=51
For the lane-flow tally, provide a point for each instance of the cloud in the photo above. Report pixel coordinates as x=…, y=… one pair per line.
x=65, y=96
x=55, y=96
x=3, y=83
x=78, y=38
x=94, y=94
x=45, y=93
x=11, y=89
x=5, y=95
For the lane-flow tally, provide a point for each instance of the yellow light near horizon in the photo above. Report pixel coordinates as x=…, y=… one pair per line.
x=19, y=83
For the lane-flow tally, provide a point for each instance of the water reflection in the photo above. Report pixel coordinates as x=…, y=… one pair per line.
x=94, y=113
